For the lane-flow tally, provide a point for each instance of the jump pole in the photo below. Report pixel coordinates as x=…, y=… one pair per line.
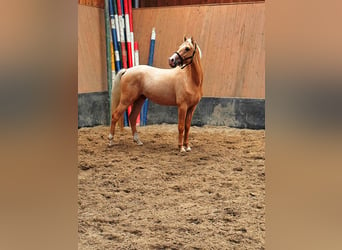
x=150, y=62
x=123, y=44
x=128, y=34
x=117, y=28
x=136, y=54
x=122, y=35
x=136, y=63
x=136, y=4
x=130, y=14
x=114, y=37
x=112, y=61
x=128, y=40
x=108, y=54
x=135, y=51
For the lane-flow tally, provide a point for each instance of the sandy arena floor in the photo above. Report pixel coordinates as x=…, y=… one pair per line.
x=152, y=197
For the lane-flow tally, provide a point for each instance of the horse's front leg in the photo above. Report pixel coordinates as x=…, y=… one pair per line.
x=181, y=121
x=188, y=119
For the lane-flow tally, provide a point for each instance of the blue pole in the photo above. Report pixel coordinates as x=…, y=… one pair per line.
x=153, y=40
x=117, y=28
x=121, y=17
x=114, y=38
x=108, y=53
x=143, y=119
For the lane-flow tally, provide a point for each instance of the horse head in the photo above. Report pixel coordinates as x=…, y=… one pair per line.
x=185, y=53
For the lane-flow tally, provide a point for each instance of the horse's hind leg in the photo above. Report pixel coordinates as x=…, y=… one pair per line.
x=188, y=119
x=116, y=114
x=133, y=118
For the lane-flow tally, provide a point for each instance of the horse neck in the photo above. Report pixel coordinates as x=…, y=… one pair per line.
x=196, y=70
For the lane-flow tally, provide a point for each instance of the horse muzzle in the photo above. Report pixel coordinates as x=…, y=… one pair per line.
x=174, y=60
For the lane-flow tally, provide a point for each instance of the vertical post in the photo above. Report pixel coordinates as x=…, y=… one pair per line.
x=128, y=39
x=136, y=63
x=130, y=14
x=128, y=34
x=150, y=62
x=136, y=54
x=136, y=4
x=112, y=60
x=114, y=37
x=117, y=28
x=152, y=43
x=108, y=55
x=122, y=34
x=123, y=44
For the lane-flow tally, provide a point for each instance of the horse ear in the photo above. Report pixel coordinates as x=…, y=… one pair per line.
x=184, y=38
x=192, y=40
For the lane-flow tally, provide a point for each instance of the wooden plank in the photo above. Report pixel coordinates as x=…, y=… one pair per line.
x=92, y=76
x=231, y=38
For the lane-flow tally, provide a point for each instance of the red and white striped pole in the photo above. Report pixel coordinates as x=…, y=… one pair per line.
x=131, y=28
x=136, y=54
x=122, y=35
x=128, y=34
x=136, y=63
x=128, y=26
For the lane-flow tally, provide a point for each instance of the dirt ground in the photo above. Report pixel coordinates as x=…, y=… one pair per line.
x=153, y=197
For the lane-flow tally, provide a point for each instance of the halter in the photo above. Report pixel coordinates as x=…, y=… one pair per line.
x=190, y=57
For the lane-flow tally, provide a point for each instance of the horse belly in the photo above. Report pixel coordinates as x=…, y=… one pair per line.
x=162, y=97
x=162, y=94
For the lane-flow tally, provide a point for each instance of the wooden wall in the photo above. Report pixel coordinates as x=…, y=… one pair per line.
x=231, y=38
x=92, y=67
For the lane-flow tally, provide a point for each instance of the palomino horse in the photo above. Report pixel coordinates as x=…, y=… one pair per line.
x=180, y=86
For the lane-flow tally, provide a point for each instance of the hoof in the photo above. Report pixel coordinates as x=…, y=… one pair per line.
x=110, y=144
x=182, y=149
x=136, y=139
x=139, y=143
x=188, y=149
x=110, y=137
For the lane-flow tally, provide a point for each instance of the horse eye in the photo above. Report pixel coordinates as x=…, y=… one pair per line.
x=187, y=49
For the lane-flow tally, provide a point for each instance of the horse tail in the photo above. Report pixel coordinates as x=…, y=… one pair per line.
x=116, y=94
